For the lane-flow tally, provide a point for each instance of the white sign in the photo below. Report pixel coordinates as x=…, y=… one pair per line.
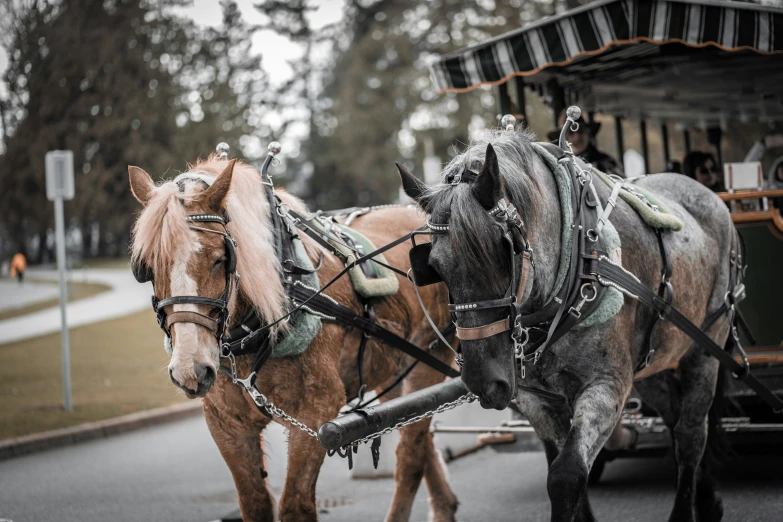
x=743, y=176
x=59, y=175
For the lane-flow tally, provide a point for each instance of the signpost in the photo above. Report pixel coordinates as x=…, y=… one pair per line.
x=59, y=187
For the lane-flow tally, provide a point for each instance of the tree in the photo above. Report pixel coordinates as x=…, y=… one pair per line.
x=118, y=82
x=376, y=104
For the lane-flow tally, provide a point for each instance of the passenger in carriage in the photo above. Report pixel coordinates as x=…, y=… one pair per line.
x=582, y=144
x=702, y=167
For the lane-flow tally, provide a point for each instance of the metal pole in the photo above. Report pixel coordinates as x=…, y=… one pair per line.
x=645, y=151
x=665, y=140
x=686, y=136
x=59, y=225
x=618, y=135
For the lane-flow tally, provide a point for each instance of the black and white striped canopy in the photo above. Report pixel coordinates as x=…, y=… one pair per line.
x=688, y=61
x=597, y=27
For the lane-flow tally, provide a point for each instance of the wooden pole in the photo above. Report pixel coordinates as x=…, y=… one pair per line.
x=645, y=151
x=618, y=136
x=665, y=140
x=504, y=101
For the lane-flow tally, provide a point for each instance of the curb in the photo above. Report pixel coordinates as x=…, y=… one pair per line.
x=59, y=438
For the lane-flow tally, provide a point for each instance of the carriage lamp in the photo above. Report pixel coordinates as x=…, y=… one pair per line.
x=508, y=122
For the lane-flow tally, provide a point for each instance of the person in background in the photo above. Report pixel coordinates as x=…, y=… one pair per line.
x=702, y=167
x=582, y=144
x=18, y=266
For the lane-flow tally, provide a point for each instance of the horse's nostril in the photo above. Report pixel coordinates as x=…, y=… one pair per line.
x=496, y=394
x=205, y=375
x=502, y=388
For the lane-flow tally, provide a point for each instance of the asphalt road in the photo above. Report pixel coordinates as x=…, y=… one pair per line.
x=173, y=472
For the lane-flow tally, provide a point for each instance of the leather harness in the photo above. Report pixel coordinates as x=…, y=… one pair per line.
x=250, y=336
x=533, y=332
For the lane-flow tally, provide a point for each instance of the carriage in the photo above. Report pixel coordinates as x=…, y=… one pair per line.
x=672, y=64
x=631, y=59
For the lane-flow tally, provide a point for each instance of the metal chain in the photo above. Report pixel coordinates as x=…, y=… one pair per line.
x=467, y=398
x=262, y=402
x=277, y=412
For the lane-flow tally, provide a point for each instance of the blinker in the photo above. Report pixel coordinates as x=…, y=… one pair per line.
x=423, y=273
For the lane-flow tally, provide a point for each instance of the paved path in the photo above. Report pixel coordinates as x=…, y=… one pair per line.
x=174, y=473
x=126, y=297
x=13, y=295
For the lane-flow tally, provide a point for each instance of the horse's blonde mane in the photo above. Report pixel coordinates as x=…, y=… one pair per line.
x=161, y=229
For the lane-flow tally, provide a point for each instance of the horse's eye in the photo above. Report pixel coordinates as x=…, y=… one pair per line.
x=218, y=263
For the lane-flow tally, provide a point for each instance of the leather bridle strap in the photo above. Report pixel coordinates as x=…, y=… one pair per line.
x=192, y=317
x=191, y=299
x=482, y=332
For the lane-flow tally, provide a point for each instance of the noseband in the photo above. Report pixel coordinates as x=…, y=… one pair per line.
x=505, y=216
x=217, y=321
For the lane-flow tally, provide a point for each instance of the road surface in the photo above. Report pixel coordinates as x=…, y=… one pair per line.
x=173, y=472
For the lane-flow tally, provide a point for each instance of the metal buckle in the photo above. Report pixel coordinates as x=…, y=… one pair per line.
x=258, y=398
x=585, y=299
x=519, y=344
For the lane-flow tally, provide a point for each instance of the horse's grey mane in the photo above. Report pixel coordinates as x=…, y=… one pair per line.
x=474, y=236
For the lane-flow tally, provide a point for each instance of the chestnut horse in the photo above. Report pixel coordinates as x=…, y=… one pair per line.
x=312, y=386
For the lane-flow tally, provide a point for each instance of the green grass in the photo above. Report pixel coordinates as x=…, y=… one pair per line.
x=117, y=367
x=77, y=291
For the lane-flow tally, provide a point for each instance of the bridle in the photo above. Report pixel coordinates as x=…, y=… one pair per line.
x=505, y=215
x=218, y=319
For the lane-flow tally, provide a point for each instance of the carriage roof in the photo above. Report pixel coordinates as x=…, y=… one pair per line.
x=688, y=61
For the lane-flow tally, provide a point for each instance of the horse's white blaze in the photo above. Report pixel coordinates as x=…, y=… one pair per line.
x=193, y=343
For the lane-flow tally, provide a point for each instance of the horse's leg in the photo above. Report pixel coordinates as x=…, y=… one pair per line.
x=312, y=398
x=417, y=457
x=305, y=457
x=239, y=442
x=596, y=412
x=698, y=377
x=661, y=391
x=552, y=426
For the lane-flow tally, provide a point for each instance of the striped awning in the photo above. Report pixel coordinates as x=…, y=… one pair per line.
x=600, y=27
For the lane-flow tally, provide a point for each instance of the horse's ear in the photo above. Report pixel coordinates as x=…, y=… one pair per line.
x=413, y=186
x=141, y=184
x=488, y=187
x=216, y=193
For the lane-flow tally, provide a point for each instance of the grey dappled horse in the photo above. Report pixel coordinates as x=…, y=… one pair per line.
x=592, y=367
